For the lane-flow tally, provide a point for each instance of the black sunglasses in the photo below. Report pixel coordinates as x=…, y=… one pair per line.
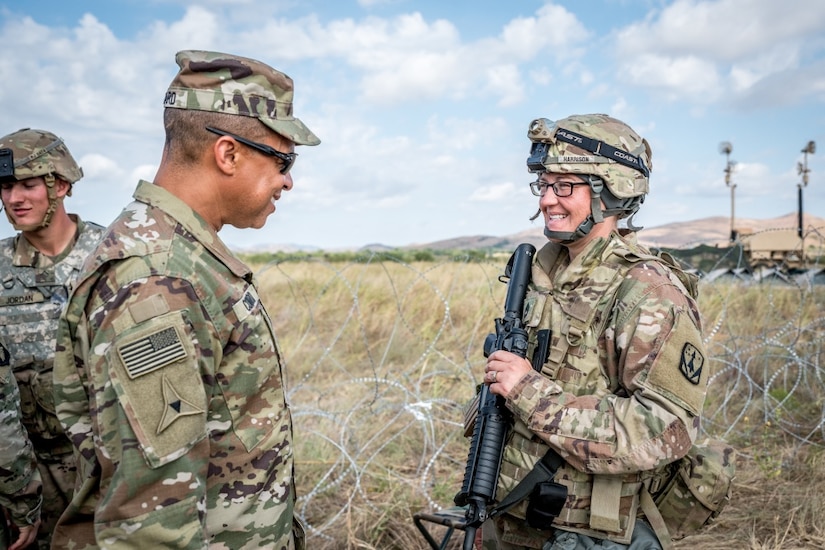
x=287, y=159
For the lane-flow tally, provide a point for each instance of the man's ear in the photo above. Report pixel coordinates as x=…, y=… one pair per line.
x=225, y=151
x=62, y=188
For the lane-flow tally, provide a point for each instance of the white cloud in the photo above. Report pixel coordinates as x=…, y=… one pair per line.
x=686, y=77
x=505, y=82
x=407, y=58
x=725, y=30
x=553, y=30
x=709, y=50
x=141, y=172
x=620, y=109
x=97, y=165
x=494, y=193
x=371, y=3
x=416, y=76
x=541, y=76
x=755, y=178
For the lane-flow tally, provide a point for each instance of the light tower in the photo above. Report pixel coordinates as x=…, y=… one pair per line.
x=802, y=168
x=726, y=149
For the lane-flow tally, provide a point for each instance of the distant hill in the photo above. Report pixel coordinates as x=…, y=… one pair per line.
x=709, y=231
x=716, y=230
x=713, y=231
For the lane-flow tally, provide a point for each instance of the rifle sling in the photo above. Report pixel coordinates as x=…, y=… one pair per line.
x=544, y=470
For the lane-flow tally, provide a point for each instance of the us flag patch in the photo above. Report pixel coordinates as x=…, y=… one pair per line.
x=152, y=352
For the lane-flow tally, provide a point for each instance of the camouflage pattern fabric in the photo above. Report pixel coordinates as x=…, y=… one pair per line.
x=620, y=393
x=38, y=153
x=235, y=85
x=20, y=487
x=568, y=158
x=34, y=291
x=694, y=490
x=168, y=381
x=643, y=539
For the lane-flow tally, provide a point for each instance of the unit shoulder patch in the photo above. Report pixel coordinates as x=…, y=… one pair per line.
x=691, y=362
x=174, y=406
x=678, y=369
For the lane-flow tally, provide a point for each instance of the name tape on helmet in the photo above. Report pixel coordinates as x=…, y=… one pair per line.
x=574, y=159
x=39, y=152
x=603, y=149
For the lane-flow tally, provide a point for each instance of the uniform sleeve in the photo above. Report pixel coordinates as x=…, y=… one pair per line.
x=131, y=390
x=654, y=358
x=20, y=486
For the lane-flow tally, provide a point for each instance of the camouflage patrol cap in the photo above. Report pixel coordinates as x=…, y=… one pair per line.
x=39, y=153
x=594, y=144
x=235, y=85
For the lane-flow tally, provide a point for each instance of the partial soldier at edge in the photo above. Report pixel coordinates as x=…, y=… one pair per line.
x=38, y=266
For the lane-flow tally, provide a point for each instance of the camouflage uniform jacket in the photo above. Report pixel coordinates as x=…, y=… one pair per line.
x=620, y=393
x=20, y=486
x=168, y=381
x=33, y=293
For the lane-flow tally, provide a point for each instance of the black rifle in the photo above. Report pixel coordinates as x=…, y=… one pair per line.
x=494, y=420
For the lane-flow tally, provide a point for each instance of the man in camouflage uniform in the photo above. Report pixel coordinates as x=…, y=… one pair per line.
x=38, y=268
x=620, y=385
x=168, y=376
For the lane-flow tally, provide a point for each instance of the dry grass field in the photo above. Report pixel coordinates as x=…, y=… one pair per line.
x=382, y=356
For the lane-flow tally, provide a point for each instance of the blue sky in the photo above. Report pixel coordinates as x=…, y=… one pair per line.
x=423, y=106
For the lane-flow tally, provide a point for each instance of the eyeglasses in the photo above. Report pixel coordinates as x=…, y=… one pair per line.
x=560, y=188
x=287, y=159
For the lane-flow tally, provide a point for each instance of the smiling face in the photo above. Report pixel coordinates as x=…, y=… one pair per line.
x=249, y=198
x=565, y=214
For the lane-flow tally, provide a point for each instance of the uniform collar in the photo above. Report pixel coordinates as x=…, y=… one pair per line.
x=192, y=222
x=27, y=255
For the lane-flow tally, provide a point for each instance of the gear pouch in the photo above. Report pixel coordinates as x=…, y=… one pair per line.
x=545, y=504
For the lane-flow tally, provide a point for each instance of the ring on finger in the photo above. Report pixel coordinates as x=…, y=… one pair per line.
x=493, y=376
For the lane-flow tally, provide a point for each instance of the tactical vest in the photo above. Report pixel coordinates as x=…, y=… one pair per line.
x=31, y=301
x=601, y=506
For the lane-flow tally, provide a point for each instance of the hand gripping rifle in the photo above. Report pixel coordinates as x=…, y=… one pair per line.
x=494, y=420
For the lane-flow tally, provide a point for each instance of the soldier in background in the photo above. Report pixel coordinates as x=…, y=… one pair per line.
x=168, y=376
x=20, y=485
x=38, y=268
x=621, y=384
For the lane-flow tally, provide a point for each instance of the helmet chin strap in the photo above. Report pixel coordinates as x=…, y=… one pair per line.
x=596, y=216
x=47, y=218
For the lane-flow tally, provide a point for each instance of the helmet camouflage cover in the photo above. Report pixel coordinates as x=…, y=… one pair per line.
x=594, y=144
x=40, y=153
x=29, y=153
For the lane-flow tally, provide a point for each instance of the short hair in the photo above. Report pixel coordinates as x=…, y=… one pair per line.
x=187, y=137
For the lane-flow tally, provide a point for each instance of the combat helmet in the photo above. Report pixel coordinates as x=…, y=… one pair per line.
x=607, y=153
x=29, y=153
